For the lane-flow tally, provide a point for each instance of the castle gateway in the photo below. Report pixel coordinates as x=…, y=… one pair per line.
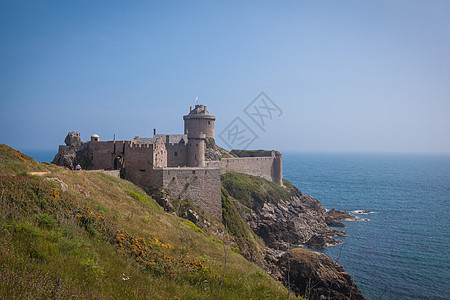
x=188, y=165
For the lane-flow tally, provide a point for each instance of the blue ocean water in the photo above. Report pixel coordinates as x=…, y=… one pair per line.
x=403, y=250
x=41, y=155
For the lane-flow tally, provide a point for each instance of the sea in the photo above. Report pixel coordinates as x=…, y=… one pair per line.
x=402, y=250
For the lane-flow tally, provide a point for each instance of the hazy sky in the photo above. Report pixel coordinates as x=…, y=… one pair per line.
x=347, y=75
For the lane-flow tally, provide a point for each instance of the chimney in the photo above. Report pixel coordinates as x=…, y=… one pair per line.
x=154, y=132
x=190, y=108
x=167, y=139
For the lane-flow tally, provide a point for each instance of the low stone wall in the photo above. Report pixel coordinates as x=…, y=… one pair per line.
x=201, y=185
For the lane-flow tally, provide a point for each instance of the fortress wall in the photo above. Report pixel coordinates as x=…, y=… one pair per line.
x=104, y=153
x=139, y=164
x=266, y=167
x=180, y=159
x=212, y=164
x=201, y=185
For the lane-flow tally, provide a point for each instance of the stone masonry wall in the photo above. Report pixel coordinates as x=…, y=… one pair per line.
x=104, y=153
x=139, y=164
x=201, y=185
x=257, y=166
x=181, y=155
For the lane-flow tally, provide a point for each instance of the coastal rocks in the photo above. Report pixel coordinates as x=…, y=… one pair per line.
x=289, y=222
x=339, y=215
x=315, y=276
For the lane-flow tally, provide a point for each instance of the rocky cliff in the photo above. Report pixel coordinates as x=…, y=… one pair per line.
x=316, y=276
x=284, y=217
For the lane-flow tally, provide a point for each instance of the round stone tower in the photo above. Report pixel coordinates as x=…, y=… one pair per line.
x=196, y=151
x=199, y=121
x=198, y=126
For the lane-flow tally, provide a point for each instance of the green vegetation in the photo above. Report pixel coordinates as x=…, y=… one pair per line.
x=105, y=238
x=14, y=162
x=193, y=226
x=251, y=153
x=249, y=245
x=144, y=198
x=253, y=191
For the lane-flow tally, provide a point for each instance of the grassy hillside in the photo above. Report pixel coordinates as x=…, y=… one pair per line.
x=247, y=242
x=79, y=234
x=253, y=191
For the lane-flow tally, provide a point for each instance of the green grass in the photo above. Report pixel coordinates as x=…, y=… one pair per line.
x=254, y=191
x=144, y=198
x=193, y=226
x=14, y=162
x=105, y=238
x=249, y=245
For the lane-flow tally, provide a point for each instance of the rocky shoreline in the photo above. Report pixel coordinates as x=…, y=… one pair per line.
x=299, y=220
x=285, y=223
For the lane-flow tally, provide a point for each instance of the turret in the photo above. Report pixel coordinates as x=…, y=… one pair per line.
x=199, y=121
x=277, y=168
x=196, y=150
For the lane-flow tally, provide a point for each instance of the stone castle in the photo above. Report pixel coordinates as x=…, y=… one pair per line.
x=181, y=163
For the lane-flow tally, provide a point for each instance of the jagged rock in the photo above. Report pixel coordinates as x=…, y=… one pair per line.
x=315, y=276
x=214, y=152
x=76, y=152
x=160, y=197
x=316, y=242
x=191, y=216
x=340, y=215
x=290, y=222
x=73, y=139
x=65, y=157
x=333, y=223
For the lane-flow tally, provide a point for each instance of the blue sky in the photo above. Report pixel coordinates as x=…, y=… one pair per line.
x=354, y=76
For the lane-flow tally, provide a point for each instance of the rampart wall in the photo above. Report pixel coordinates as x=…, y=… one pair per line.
x=105, y=152
x=269, y=168
x=201, y=185
x=139, y=164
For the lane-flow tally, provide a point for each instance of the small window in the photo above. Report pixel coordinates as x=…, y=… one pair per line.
x=175, y=154
x=193, y=172
x=209, y=122
x=196, y=145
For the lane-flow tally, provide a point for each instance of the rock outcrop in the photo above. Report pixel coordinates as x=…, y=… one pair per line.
x=316, y=276
x=214, y=152
x=291, y=222
x=75, y=152
x=282, y=217
x=339, y=215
